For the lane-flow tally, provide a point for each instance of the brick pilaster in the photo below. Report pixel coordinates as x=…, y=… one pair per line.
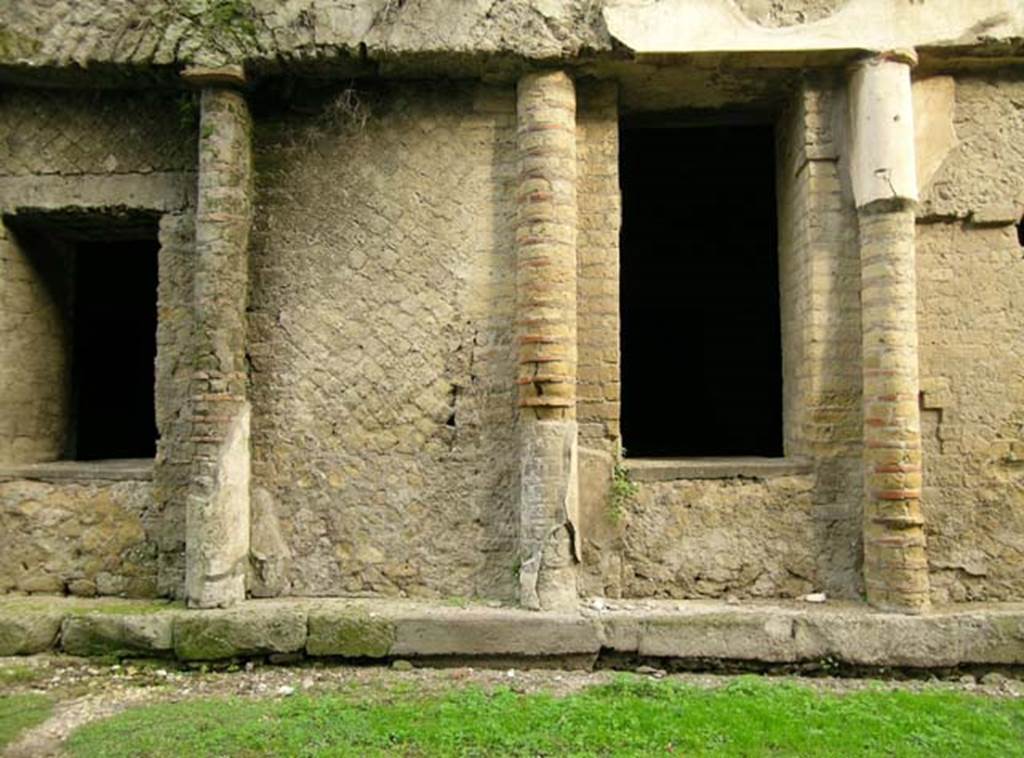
x=217, y=513
x=882, y=160
x=546, y=334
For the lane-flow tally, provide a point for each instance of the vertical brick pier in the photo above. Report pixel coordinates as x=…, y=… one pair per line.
x=217, y=511
x=546, y=335
x=885, y=190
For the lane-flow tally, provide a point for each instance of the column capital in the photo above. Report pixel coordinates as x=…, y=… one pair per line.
x=905, y=55
x=229, y=75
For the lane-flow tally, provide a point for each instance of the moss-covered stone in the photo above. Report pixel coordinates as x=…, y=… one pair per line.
x=28, y=633
x=118, y=635
x=217, y=635
x=349, y=632
x=14, y=46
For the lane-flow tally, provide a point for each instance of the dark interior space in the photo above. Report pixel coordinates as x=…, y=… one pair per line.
x=114, y=327
x=701, y=344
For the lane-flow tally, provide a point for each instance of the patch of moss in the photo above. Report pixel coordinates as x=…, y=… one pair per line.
x=350, y=634
x=14, y=45
x=621, y=492
x=19, y=674
x=224, y=27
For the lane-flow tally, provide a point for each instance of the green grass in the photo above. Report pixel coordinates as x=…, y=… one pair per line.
x=749, y=717
x=20, y=675
x=20, y=712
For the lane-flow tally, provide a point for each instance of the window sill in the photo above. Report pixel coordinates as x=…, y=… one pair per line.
x=672, y=469
x=128, y=469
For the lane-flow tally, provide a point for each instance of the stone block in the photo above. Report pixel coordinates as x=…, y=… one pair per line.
x=349, y=632
x=496, y=632
x=27, y=632
x=147, y=635
x=254, y=630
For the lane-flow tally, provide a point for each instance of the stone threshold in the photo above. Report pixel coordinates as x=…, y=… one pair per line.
x=770, y=633
x=743, y=467
x=127, y=469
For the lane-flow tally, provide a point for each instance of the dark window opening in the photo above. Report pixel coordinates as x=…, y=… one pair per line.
x=701, y=341
x=90, y=289
x=114, y=349
x=1020, y=231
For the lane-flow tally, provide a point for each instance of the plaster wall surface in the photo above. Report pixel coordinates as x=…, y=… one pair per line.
x=380, y=342
x=971, y=286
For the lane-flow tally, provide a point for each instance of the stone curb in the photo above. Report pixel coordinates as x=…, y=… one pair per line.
x=770, y=634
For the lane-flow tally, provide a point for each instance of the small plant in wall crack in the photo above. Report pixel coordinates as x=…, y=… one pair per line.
x=622, y=490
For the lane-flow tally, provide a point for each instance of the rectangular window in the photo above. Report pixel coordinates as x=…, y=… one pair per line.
x=82, y=363
x=114, y=336
x=701, y=345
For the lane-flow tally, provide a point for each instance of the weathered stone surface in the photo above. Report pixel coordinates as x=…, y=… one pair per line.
x=686, y=26
x=711, y=538
x=166, y=32
x=600, y=528
x=82, y=537
x=934, y=134
x=379, y=336
x=771, y=632
x=26, y=632
x=252, y=630
x=496, y=632
x=546, y=267
x=96, y=133
x=350, y=632
x=118, y=635
x=218, y=510
x=268, y=551
x=970, y=281
x=983, y=169
x=846, y=634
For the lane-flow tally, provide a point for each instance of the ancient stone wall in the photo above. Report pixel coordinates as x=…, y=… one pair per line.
x=722, y=537
x=380, y=343
x=92, y=160
x=971, y=290
x=84, y=538
x=35, y=340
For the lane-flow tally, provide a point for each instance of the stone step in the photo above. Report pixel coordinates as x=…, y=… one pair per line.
x=768, y=633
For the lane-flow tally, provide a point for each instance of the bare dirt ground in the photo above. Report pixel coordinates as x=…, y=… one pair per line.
x=85, y=690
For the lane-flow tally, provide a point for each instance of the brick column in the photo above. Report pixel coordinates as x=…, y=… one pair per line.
x=885, y=190
x=546, y=333
x=217, y=513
